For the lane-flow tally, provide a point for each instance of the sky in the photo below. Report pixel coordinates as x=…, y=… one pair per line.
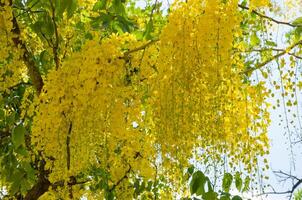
x=280, y=154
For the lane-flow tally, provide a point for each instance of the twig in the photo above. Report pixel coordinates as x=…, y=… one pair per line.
x=282, y=174
x=55, y=47
x=290, y=191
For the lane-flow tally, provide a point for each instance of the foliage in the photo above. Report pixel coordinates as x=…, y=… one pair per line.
x=201, y=185
x=298, y=195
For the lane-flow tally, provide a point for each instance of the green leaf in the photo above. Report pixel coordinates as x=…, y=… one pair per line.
x=44, y=27
x=124, y=23
x=10, y=119
x=297, y=21
x=270, y=43
x=71, y=7
x=236, y=198
x=30, y=171
x=60, y=7
x=36, y=27
x=110, y=196
x=211, y=195
x=148, y=31
x=14, y=188
x=118, y=7
x=100, y=5
x=24, y=186
x=227, y=182
x=191, y=169
x=2, y=114
x=210, y=188
x=244, y=3
x=21, y=150
x=298, y=32
x=18, y=136
x=246, y=186
x=238, y=181
x=48, y=27
x=149, y=186
x=255, y=39
x=197, y=183
x=17, y=177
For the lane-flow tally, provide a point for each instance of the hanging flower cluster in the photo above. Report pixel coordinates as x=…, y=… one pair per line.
x=12, y=69
x=125, y=108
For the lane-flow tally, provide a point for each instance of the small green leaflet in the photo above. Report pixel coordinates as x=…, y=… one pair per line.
x=246, y=186
x=236, y=198
x=255, y=39
x=197, y=183
x=297, y=22
x=227, y=182
x=238, y=181
x=18, y=136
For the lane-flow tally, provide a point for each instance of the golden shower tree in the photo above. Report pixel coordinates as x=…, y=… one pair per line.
x=104, y=99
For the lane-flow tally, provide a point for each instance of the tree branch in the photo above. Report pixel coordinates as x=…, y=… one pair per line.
x=55, y=47
x=33, y=70
x=274, y=49
x=291, y=190
x=260, y=65
x=41, y=185
x=267, y=17
x=126, y=54
x=120, y=180
x=68, y=146
x=72, y=181
x=68, y=157
x=285, y=175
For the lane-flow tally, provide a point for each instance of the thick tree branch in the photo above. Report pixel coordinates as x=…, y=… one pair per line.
x=33, y=70
x=42, y=184
x=267, y=17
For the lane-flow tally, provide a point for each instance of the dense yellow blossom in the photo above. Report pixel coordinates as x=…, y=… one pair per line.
x=185, y=93
x=198, y=95
x=12, y=69
x=97, y=127
x=259, y=3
